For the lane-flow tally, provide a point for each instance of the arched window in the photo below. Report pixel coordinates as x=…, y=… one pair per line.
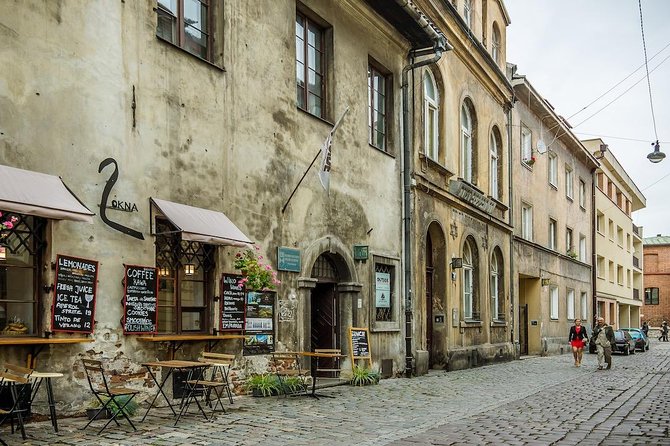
x=470, y=277
x=497, y=287
x=467, y=158
x=495, y=44
x=431, y=116
x=467, y=12
x=495, y=164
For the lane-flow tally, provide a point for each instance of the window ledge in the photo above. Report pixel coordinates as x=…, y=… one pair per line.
x=387, y=153
x=582, y=208
x=553, y=186
x=570, y=199
x=205, y=61
x=470, y=323
x=499, y=323
x=499, y=204
x=388, y=327
x=319, y=118
x=527, y=166
x=436, y=165
x=553, y=319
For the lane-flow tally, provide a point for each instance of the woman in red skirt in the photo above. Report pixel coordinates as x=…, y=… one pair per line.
x=577, y=339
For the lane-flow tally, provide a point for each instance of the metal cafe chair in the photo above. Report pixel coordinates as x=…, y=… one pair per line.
x=194, y=387
x=109, y=397
x=15, y=382
x=287, y=365
x=220, y=364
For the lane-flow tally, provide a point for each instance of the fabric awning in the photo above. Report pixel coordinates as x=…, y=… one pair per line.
x=39, y=194
x=202, y=225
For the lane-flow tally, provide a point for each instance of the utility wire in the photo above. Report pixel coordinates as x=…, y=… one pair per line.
x=646, y=65
x=617, y=84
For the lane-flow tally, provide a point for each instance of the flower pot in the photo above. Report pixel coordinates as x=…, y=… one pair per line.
x=97, y=414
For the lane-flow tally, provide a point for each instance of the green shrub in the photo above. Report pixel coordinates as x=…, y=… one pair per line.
x=265, y=384
x=363, y=376
x=115, y=406
x=292, y=384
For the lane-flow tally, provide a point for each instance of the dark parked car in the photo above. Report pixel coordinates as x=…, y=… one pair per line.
x=623, y=342
x=641, y=340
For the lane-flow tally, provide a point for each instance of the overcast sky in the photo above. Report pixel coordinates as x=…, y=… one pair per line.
x=572, y=51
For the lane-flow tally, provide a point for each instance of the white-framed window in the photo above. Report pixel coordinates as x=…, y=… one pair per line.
x=569, y=182
x=600, y=222
x=470, y=292
x=527, y=221
x=582, y=194
x=600, y=267
x=467, y=12
x=431, y=128
x=582, y=248
x=553, y=169
x=526, y=146
x=553, y=302
x=495, y=44
x=571, y=304
x=584, y=305
x=378, y=106
x=494, y=165
x=466, y=144
x=497, y=286
x=553, y=236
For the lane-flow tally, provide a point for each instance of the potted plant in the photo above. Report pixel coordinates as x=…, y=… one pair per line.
x=292, y=384
x=113, y=408
x=264, y=384
x=258, y=276
x=364, y=376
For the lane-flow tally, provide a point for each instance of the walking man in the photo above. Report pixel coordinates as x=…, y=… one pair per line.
x=664, y=332
x=604, y=338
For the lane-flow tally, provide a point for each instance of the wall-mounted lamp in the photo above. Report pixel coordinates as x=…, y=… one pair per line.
x=189, y=269
x=546, y=282
x=3, y=253
x=656, y=156
x=601, y=153
x=164, y=271
x=456, y=262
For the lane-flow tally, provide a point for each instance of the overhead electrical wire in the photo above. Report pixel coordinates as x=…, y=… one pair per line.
x=646, y=64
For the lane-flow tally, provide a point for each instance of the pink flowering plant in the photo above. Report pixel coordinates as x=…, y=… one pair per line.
x=6, y=223
x=258, y=276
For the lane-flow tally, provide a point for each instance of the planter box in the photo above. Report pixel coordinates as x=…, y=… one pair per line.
x=103, y=415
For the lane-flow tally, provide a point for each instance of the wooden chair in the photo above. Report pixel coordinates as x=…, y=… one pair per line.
x=288, y=365
x=12, y=377
x=330, y=366
x=220, y=364
x=97, y=381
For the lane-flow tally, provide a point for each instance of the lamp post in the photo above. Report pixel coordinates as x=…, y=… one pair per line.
x=656, y=156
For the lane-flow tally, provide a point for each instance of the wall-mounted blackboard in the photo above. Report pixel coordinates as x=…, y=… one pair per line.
x=75, y=290
x=140, y=300
x=232, y=303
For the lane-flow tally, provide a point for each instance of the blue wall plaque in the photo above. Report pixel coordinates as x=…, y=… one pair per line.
x=288, y=259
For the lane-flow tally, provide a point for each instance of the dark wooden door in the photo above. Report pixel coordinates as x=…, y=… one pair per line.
x=523, y=329
x=324, y=320
x=429, y=314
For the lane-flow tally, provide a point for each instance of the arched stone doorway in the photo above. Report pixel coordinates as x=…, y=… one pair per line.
x=435, y=301
x=325, y=306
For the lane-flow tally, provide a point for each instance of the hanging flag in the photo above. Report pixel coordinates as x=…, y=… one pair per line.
x=324, y=171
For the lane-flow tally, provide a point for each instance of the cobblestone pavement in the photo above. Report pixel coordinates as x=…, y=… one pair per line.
x=535, y=401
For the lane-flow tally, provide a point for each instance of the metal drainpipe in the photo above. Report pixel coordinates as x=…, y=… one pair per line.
x=512, y=276
x=440, y=45
x=594, y=254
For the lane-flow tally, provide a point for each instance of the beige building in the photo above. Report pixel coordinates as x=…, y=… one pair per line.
x=460, y=220
x=553, y=208
x=186, y=131
x=619, y=282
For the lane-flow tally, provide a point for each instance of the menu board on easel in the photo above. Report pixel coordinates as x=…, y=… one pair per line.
x=232, y=303
x=140, y=300
x=75, y=290
x=259, y=332
x=360, y=345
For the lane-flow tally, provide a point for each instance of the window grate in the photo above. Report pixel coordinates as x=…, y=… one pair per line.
x=386, y=313
x=325, y=268
x=26, y=235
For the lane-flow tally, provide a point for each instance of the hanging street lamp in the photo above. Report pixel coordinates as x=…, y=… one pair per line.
x=656, y=156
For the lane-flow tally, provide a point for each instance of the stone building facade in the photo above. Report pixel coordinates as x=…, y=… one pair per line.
x=618, y=262
x=143, y=107
x=656, y=307
x=553, y=208
x=461, y=293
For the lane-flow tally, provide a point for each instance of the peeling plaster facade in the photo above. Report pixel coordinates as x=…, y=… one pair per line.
x=84, y=81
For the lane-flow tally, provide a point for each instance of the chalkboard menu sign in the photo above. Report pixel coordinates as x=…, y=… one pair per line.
x=74, y=294
x=140, y=300
x=360, y=347
x=232, y=303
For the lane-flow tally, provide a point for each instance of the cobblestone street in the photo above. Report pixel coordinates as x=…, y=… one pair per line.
x=530, y=401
